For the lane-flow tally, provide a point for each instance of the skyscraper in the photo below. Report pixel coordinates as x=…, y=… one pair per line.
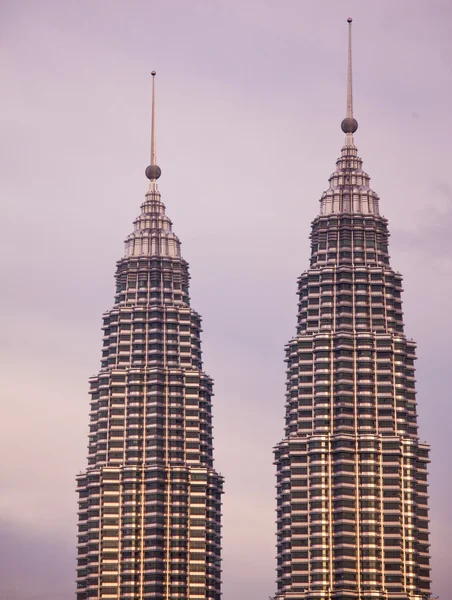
x=150, y=500
x=352, y=520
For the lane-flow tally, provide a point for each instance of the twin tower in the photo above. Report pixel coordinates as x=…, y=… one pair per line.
x=352, y=517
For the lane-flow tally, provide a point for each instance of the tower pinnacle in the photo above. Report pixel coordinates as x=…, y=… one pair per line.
x=349, y=125
x=153, y=171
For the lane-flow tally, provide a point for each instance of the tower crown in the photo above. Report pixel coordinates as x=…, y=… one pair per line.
x=349, y=188
x=153, y=234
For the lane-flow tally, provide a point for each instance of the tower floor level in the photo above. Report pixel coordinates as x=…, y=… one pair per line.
x=352, y=515
x=150, y=500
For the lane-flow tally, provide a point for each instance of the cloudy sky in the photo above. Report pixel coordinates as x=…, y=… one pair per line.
x=250, y=98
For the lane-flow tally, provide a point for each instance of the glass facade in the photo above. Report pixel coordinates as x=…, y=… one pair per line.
x=352, y=517
x=150, y=499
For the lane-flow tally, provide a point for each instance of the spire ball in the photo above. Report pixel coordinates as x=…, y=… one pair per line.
x=153, y=172
x=349, y=20
x=349, y=125
x=153, y=73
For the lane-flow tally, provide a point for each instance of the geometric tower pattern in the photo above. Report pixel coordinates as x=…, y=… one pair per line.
x=352, y=516
x=150, y=499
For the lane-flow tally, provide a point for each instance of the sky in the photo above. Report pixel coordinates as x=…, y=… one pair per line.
x=250, y=96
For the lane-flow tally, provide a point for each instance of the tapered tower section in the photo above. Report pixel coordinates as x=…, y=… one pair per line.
x=352, y=516
x=150, y=499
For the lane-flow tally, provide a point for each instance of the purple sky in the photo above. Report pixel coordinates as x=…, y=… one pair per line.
x=250, y=96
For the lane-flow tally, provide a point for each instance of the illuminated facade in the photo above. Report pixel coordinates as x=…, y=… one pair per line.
x=352, y=517
x=150, y=499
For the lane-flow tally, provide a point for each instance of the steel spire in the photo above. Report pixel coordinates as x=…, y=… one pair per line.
x=349, y=73
x=153, y=171
x=349, y=125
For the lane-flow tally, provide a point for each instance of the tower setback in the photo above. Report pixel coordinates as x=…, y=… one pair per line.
x=352, y=517
x=150, y=499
